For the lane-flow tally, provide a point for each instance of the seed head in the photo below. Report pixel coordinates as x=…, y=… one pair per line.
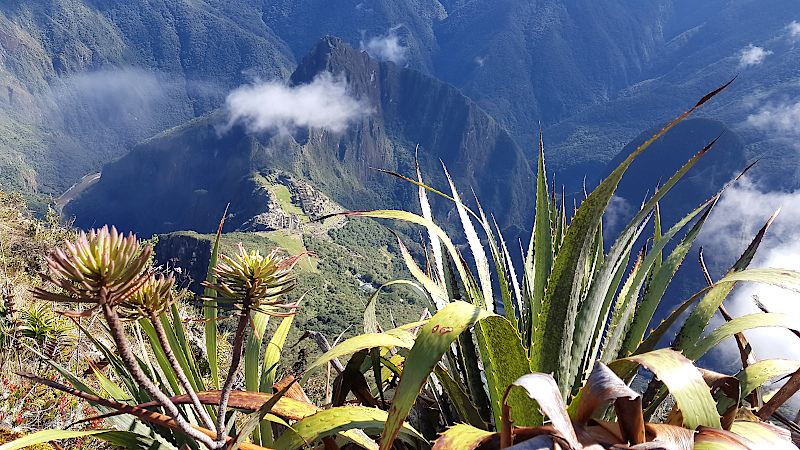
x=155, y=295
x=255, y=282
x=100, y=267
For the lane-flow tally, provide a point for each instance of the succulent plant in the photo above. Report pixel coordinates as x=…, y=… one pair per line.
x=253, y=282
x=154, y=296
x=101, y=268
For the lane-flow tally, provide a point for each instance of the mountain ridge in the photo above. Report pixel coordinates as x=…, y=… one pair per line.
x=410, y=109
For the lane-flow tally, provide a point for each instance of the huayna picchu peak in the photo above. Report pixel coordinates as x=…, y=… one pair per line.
x=164, y=183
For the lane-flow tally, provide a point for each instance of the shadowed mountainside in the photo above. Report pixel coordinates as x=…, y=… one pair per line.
x=183, y=178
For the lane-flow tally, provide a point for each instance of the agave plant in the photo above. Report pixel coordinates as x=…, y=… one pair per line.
x=570, y=309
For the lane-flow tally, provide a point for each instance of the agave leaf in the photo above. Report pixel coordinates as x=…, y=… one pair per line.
x=552, y=343
x=698, y=319
x=543, y=389
x=486, y=300
x=539, y=261
x=466, y=410
x=595, y=308
x=433, y=340
x=599, y=326
x=660, y=281
x=757, y=374
x=499, y=264
x=680, y=437
x=210, y=308
x=715, y=439
x=727, y=394
x=762, y=434
x=436, y=246
x=787, y=279
x=738, y=325
x=462, y=437
x=685, y=383
x=505, y=361
x=656, y=335
x=413, y=218
x=656, y=288
x=623, y=308
x=436, y=292
x=331, y=421
x=392, y=338
x=512, y=274
x=474, y=376
x=370, y=318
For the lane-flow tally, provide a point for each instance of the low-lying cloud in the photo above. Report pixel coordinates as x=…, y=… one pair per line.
x=736, y=219
x=272, y=106
x=794, y=30
x=781, y=117
x=752, y=56
x=386, y=47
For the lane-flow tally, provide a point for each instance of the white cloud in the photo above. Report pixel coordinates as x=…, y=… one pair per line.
x=794, y=30
x=777, y=117
x=617, y=213
x=479, y=61
x=272, y=106
x=736, y=219
x=386, y=47
x=753, y=55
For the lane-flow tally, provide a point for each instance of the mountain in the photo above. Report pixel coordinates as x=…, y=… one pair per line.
x=703, y=47
x=183, y=178
x=83, y=81
x=665, y=156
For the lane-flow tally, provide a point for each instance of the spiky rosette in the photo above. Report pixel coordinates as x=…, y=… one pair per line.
x=155, y=295
x=255, y=282
x=100, y=267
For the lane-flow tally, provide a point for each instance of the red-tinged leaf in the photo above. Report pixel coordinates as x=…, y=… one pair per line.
x=604, y=385
x=137, y=411
x=715, y=439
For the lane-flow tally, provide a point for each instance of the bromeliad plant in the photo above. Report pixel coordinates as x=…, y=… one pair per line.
x=110, y=273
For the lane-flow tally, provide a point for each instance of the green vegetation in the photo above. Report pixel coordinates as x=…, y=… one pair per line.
x=573, y=336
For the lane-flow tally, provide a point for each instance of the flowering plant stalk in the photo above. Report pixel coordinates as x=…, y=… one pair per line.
x=107, y=271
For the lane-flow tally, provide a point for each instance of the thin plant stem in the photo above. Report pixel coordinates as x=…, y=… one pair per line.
x=162, y=339
x=124, y=348
x=225, y=394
